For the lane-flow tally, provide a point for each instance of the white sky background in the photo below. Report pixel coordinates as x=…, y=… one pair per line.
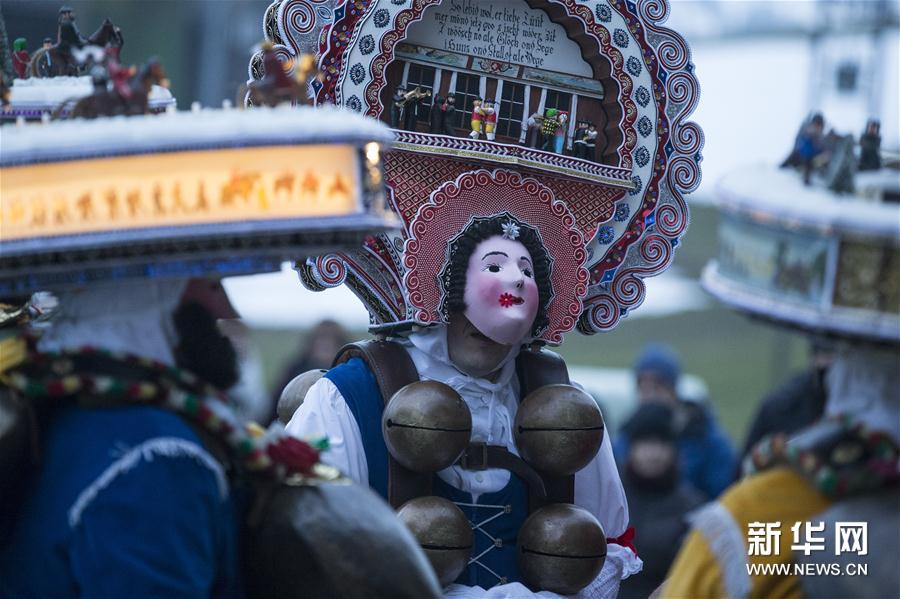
x=754, y=95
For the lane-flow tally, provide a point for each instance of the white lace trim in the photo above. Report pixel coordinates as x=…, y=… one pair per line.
x=726, y=543
x=167, y=447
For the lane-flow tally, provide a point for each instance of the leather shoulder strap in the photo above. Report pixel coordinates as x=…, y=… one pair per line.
x=388, y=361
x=536, y=368
x=393, y=369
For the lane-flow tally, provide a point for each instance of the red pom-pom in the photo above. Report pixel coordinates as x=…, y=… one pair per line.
x=294, y=454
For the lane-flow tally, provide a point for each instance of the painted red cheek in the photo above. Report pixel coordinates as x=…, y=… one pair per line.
x=489, y=288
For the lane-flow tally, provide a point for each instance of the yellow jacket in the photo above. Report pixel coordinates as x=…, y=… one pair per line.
x=715, y=560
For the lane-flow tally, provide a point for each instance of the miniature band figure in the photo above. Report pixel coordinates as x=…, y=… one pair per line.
x=489, y=109
x=807, y=146
x=412, y=101
x=585, y=140
x=405, y=107
x=436, y=119
x=870, y=147
x=532, y=128
x=397, y=103
x=448, y=116
x=20, y=57
x=553, y=130
x=477, y=118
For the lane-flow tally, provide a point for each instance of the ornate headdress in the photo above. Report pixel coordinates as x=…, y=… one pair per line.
x=607, y=223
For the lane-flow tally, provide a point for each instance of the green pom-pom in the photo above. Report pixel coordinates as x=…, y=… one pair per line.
x=191, y=404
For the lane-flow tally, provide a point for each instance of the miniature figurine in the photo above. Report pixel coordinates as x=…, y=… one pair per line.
x=807, y=146
x=553, y=129
x=549, y=124
x=585, y=140
x=870, y=147
x=119, y=76
x=67, y=31
x=490, y=119
x=20, y=57
x=437, y=115
x=559, y=137
x=477, y=117
x=58, y=59
x=533, y=126
x=397, y=104
x=111, y=102
x=276, y=86
x=411, y=101
x=448, y=116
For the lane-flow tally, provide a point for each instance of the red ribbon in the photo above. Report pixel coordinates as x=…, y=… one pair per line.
x=626, y=539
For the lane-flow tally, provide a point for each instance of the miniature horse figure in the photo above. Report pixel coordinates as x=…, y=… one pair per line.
x=59, y=59
x=112, y=102
x=276, y=86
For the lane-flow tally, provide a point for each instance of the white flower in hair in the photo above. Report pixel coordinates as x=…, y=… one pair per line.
x=510, y=230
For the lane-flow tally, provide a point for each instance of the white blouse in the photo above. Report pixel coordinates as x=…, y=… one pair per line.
x=493, y=406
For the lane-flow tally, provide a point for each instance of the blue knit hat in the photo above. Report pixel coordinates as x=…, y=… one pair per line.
x=661, y=360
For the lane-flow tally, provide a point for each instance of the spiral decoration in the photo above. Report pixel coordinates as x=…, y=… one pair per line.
x=601, y=313
x=330, y=270
x=653, y=11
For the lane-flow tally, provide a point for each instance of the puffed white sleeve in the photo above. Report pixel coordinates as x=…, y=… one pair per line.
x=324, y=412
x=599, y=490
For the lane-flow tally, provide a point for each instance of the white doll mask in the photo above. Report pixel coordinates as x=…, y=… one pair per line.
x=501, y=292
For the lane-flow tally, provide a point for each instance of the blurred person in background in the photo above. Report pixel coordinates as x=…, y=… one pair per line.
x=706, y=456
x=797, y=403
x=127, y=499
x=317, y=351
x=658, y=496
x=216, y=339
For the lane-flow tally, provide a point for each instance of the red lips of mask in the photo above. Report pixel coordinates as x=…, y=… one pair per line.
x=508, y=300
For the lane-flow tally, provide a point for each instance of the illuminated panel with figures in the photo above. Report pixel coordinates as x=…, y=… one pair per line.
x=222, y=190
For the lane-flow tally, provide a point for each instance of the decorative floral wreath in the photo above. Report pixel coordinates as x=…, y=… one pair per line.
x=64, y=374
